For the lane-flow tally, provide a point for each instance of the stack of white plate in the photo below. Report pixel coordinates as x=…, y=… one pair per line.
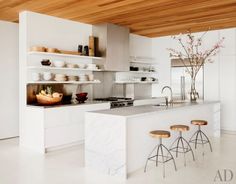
x=60, y=77
x=92, y=66
x=83, y=77
x=72, y=78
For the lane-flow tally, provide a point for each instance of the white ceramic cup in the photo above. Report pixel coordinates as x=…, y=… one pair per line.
x=35, y=76
x=47, y=76
x=59, y=63
x=91, y=77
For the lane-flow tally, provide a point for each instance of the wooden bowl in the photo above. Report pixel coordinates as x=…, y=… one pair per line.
x=38, y=49
x=53, y=50
x=45, y=100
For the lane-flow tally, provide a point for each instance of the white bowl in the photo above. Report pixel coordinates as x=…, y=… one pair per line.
x=71, y=65
x=82, y=66
x=59, y=63
x=36, y=76
x=47, y=76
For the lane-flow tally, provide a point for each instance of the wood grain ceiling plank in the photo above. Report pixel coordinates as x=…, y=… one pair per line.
x=193, y=27
x=95, y=11
x=199, y=19
x=145, y=17
x=186, y=9
x=107, y=14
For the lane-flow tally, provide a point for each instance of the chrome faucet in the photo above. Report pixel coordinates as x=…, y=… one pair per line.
x=171, y=95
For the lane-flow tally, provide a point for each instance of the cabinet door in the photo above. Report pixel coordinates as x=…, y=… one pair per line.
x=117, y=58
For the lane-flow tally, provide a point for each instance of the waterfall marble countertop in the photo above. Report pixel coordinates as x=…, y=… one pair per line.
x=147, y=109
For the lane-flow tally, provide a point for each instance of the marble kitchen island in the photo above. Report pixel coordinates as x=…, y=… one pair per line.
x=117, y=142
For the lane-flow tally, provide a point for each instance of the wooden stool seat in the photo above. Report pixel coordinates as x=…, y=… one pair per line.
x=199, y=122
x=179, y=128
x=159, y=134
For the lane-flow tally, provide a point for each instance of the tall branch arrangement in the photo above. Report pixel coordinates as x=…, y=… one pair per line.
x=192, y=51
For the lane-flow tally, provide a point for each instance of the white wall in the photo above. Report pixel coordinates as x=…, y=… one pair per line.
x=161, y=55
x=227, y=74
x=219, y=77
x=140, y=46
x=8, y=79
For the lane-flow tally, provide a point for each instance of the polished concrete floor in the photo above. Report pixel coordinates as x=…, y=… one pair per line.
x=66, y=167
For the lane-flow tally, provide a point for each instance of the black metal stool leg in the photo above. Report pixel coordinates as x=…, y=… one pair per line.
x=168, y=152
x=207, y=140
x=145, y=168
x=196, y=140
x=157, y=155
x=202, y=142
x=177, y=147
x=183, y=151
x=163, y=160
x=188, y=146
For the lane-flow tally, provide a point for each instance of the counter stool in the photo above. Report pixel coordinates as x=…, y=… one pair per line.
x=182, y=145
x=160, y=148
x=203, y=138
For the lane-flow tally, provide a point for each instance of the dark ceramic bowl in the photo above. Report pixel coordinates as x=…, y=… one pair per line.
x=81, y=95
x=46, y=62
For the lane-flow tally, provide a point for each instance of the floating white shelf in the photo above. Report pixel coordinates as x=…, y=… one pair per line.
x=143, y=62
x=64, y=82
x=63, y=55
x=143, y=72
x=136, y=82
x=61, y=68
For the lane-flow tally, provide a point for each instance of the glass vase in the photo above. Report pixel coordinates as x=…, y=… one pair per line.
x=193, y=93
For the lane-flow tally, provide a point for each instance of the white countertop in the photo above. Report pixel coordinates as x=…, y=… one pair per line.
x=147, y=109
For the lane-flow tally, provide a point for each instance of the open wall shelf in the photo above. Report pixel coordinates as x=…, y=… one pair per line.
x=63, y=55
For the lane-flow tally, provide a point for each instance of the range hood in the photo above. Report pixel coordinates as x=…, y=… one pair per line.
x=113, y=45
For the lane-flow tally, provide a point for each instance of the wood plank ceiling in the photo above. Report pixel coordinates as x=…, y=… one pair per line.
x=150, y=18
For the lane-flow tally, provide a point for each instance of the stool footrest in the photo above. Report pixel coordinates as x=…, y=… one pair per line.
x=178, y=149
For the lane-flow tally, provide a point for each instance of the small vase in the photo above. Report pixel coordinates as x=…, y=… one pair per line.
x=193, y=93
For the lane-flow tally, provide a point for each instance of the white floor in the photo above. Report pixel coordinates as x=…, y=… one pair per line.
x=66, y=166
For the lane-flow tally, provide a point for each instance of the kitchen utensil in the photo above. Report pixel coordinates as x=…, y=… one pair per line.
x=59, y=63
x=143, y=78
x=72, y=78
x=84, y=94
x=66, y=99
x=82, y=66
x=91, y=66
x=90, y=77
x=71, y=65
x=83, y=77
x=81, y=100
x=35, y=76
x=47, y=76
x=80, y=48
x=53, y=50
x=38, y=49
x=86, y=50
x=81, y=97
x=45, y=100
x=45, y=62
x=70, y=52
x=60, y=77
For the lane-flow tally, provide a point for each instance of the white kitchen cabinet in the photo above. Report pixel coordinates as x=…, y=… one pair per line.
x=55, y=127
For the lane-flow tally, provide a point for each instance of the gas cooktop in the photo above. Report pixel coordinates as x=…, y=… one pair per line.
x=117, y=101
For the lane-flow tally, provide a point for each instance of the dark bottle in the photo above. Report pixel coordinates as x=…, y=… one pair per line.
x=80, y=48
x=86, y=50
